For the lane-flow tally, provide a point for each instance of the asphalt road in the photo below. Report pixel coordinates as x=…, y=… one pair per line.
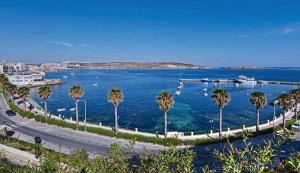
x=65, y=140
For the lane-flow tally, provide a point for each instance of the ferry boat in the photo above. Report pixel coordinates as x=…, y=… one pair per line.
x=245, y=80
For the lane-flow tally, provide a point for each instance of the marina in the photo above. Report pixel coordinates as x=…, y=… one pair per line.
x=193, y=109
x=233, y=81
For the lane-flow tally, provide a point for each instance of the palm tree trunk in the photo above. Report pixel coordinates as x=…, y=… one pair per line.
x=24, y=103
x=166, y=123
x=257, y=120
x=296, y=111
x=77, y=117
x=283, y=120
x=220, y=123
x=116, y=119
x=46, y=110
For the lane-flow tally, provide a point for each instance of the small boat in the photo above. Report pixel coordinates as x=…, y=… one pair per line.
x=205, y=94
x=179, y=87
x=204, y=89
x=178, y=92
x=204, y=79
x=262, y=82
x=181, y=83
x=72, y=109
x=95, y=84
x=61, y=109
x=65, y=76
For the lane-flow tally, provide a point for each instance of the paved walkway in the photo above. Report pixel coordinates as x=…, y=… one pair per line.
x=63, y=139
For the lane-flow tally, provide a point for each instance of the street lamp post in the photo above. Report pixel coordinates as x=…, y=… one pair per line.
x=84, y=113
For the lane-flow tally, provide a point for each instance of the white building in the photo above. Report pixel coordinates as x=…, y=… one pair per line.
x=27, y=79
x=20, y=67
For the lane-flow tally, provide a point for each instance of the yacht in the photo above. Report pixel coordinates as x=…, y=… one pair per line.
x=245, y=80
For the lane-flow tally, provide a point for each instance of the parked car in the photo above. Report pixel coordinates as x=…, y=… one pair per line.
x=10, y=113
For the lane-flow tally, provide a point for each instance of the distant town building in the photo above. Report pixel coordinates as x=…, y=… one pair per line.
x=10, y=67
x=26, y=79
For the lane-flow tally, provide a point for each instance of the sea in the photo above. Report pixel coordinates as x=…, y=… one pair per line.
x=193, y=111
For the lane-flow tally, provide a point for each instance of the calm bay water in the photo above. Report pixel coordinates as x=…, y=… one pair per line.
x=192, y=110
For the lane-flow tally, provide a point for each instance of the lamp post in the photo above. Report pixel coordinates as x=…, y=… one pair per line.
x=211, y=121
x=84, y=113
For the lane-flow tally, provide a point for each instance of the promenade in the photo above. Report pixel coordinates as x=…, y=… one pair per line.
x=185, y=136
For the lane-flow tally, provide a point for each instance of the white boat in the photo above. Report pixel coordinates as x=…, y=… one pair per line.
x=205, y=94
x=262, y=82
x=204, y=89
x=65, y=76
x=178, y=92
x=95, y=84
x=72, y=109
x=179, y=87
x=60, y=110
x=204, y=79
x=245, y=80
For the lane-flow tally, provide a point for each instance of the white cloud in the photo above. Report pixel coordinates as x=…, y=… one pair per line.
x=62, y=43
x=288, y=31
x=87, y=46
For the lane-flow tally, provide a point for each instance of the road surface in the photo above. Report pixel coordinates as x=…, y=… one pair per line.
x=63, y=139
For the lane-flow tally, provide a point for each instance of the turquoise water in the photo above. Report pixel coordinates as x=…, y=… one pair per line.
x=192, y=110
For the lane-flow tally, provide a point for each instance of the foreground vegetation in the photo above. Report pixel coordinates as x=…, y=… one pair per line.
x=232, y=159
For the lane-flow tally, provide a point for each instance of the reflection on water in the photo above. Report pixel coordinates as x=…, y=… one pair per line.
x=193, y=109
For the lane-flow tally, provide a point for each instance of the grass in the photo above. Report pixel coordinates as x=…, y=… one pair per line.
x=100, y=131
x=29, y=147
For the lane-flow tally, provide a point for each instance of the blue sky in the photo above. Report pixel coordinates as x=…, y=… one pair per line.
x=217, y=33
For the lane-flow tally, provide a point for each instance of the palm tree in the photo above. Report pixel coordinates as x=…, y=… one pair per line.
x=295, y=93
x=115, y=97
x=75, y=93
x=11, y=89
x=259, y=100
x=221, y=98
x=23, y=92
x=44, y=93
x=285, y=102
x=165, y=102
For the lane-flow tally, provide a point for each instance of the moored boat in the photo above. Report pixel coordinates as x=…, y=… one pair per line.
x=245, y=80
